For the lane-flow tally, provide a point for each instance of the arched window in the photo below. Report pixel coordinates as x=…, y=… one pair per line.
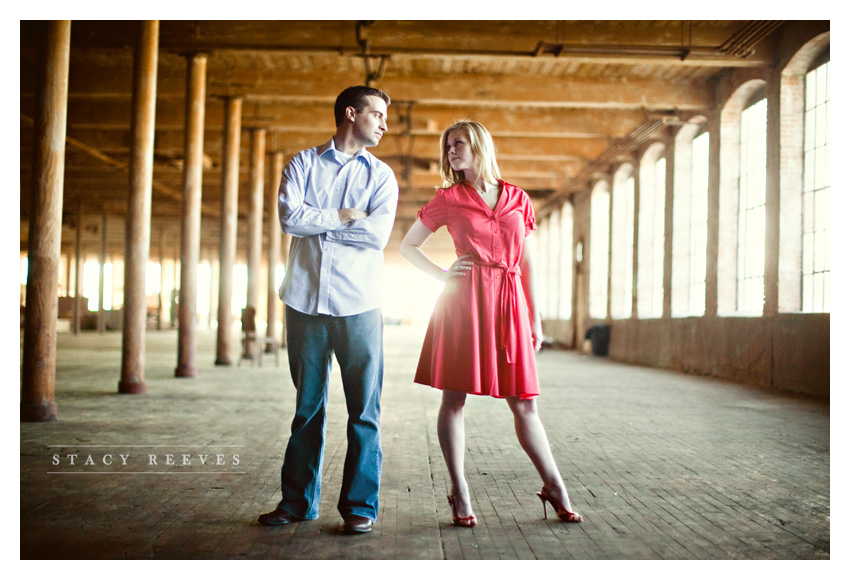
x=804, y=181
x=741, y=207
x=653, y=192
x=599, y=228
x=622, y=241
x=816, y=191
x=565, y=310
x=690, y=221
x=751, y=208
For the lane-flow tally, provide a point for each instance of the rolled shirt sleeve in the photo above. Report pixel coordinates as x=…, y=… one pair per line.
x=297, y=217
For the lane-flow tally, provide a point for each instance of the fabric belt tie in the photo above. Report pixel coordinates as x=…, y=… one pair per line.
x=509, y=306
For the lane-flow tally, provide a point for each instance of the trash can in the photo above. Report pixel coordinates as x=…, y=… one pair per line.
x=599, y=336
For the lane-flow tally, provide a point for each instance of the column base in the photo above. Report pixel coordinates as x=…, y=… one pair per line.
x=131, y=387
x=187, y=372
x=223, y=362
x=38, y=413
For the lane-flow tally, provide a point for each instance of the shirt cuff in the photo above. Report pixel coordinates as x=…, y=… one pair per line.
x=330, y=219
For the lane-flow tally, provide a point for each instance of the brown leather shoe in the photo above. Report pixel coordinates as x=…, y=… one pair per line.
x=357, y=525
x=278, y=517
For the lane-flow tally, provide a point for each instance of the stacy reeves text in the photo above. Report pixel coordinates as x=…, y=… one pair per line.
x=139, y=460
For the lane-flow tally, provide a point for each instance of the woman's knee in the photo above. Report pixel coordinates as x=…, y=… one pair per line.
x=453, y=400
x=522, y=407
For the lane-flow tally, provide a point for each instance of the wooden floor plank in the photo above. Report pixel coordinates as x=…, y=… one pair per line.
x=663, y=466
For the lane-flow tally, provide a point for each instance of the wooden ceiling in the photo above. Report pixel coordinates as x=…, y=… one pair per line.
x=558, y=97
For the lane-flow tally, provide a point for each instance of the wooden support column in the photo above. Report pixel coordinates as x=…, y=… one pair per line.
x=229, y=216
x=38, y=377
x=138, y=228
x=273, y=233
x=68, y=275
x=190, y=235
x=78, y=270
x=160, y=311
x=101, y=278
x=173, y=294
x=213, y=288
x=255, y=216
x=669, y=194
x=713, y=221
x=772, y=189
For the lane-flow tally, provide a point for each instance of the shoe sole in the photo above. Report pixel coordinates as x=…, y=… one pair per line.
x=267, y=522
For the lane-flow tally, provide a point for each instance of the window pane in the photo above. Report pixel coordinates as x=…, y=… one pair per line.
x=819, y=251
x=807, y=293
x=817, y=291
x=822, y=210
x=808, y=211
x=826, y=287
x=820, y=155
x=811, y=87
x=820, y=126
x=808, y=172
x=808, y=253
x=821, y=91
x=826, y=123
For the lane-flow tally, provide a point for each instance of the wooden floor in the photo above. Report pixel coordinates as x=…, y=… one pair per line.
x=663, y=466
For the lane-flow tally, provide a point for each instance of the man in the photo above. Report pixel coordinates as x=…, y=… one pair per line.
x=338, y=201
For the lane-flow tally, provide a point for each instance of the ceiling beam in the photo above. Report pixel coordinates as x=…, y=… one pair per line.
x=682, y=43
x=459, y=91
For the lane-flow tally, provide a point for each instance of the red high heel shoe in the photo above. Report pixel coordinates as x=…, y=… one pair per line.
x=563, y=513
x=469, y=522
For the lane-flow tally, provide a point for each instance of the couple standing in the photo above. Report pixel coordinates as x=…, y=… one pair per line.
x=338, y=202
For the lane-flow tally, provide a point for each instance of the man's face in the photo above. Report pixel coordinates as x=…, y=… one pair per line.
x=371, y=123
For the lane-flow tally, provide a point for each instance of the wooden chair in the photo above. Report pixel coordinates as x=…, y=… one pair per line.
x=253, y=345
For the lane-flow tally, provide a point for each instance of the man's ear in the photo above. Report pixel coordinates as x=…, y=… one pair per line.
x=349, y=113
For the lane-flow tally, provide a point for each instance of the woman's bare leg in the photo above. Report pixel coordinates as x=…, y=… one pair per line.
x=532, y=438
x=452, y=438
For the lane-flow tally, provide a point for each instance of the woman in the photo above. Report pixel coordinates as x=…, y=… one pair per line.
x=481, y=339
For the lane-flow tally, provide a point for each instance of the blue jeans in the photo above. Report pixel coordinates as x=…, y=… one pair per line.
x=357, y=342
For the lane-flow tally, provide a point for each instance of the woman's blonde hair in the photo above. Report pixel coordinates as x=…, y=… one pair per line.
x=482, y=147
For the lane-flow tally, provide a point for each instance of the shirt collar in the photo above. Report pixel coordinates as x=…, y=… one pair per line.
x=331, y=146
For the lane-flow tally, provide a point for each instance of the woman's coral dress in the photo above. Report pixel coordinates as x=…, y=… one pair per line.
x=479, y=338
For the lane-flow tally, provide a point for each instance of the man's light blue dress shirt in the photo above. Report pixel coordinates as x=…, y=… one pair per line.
x=335, y=268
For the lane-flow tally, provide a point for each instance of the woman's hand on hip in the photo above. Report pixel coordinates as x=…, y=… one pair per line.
x=459, y=268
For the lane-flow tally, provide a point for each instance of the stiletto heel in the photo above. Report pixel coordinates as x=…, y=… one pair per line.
x=563, y=513
x=469, y=522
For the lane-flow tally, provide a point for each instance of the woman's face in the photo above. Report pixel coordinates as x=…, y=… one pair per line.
x=460, y=155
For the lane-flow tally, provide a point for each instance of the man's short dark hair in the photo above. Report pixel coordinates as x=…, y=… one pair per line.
x=356, y=97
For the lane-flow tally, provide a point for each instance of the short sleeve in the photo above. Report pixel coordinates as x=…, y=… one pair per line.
x=528, y=214
x=434, y=214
